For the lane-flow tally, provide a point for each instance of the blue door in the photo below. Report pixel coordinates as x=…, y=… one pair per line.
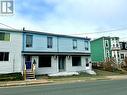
x=28, y=64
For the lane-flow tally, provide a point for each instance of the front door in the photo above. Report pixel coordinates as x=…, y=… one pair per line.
x=28, y=62
x=62, y=63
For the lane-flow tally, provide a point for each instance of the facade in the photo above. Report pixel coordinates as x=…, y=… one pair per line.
x=123, y=51
x=53, y=53
x=10, y=51
x=105, y=48
x=49, y=53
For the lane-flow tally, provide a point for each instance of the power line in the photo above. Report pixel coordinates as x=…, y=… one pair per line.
x=105, y=31
x=7, y=26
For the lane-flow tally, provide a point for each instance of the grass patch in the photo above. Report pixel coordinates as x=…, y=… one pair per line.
x=11, y=77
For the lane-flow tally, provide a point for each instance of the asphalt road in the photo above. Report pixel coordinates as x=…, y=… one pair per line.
x=115, y=87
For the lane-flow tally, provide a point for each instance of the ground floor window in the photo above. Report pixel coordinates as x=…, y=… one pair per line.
x=76, y=61
x=4, y=56
x=122, y=56
x=44, y=61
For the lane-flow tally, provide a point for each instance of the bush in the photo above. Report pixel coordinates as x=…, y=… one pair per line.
x=11, y=77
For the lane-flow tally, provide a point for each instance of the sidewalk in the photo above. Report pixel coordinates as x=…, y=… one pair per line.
x=23, y=83
x=46, y=81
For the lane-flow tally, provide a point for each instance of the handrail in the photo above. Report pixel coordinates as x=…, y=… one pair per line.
x=24, y=72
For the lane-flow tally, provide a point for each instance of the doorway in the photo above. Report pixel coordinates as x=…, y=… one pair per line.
x=62, y=61
x=28, y=62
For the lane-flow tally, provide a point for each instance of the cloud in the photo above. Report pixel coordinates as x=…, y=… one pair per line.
x=69, y=16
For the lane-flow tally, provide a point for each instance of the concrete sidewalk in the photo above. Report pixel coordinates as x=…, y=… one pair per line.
x=23, y=82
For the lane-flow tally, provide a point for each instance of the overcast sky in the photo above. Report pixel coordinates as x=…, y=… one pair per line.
x=71, y=17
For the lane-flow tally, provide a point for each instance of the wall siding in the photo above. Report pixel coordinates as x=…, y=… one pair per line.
x=97, y=50
x=14, y=47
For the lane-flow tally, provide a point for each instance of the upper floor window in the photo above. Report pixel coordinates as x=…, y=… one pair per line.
x=86, y=45
x=4, y=36
x=4, y=56
x=49, y=42
x=106, y=43
x=74, y=44
x=29, y=40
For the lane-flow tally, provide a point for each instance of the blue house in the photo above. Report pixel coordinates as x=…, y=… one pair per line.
x=53, y=53
x=43, y=53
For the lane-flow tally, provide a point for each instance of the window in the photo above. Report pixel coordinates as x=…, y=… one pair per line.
x=117, y=45
x=4, y=56
x=29, y=40
x=107, y=53
x=122, y=56
x=87, y=62
x=76, y=61
x=106, y=43
x=118, y=54
x=113, y=45
x=4, y=36
x=44, y=61
x=74, y=44
x=86, y=45
x=49, y=42
x=125, y=45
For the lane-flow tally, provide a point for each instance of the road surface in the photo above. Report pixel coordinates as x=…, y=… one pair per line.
x=114, y=87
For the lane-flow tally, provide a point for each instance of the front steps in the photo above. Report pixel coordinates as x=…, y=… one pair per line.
x=29, y=74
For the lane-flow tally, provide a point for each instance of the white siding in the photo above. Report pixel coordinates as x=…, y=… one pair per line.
x=14, y=47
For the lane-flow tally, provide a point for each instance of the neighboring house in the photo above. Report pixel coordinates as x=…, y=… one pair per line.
x=10, y=51
x=123, y=51
x=49, y=53
x=52, y=53
x=105, y=48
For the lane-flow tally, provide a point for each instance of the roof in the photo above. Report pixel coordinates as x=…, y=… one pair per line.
x=42, y=33
x=108, y=37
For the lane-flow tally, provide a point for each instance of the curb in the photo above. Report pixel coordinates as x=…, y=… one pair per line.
x=24, y=83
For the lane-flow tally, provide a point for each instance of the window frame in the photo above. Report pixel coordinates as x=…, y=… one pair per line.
x=29, y=43
x=86, y=44
x=6, y=36
x=75, y=44
x=49, y=42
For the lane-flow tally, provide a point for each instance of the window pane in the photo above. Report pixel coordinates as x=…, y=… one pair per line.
x=74, y=44
x=6, y=56
x=1, y=56
x=86, y=45
x=2, y=36
x=76, y=61
x=7, y=37
x=44, y=61
x=29, y=40
x=49, y=42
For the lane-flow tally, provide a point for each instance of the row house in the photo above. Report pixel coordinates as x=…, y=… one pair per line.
x=105, y=48
x=123, y=51
x=49, y=53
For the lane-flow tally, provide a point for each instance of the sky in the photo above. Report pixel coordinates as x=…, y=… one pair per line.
x=85, y=18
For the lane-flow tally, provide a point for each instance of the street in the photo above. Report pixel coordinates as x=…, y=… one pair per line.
x=111, y=87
